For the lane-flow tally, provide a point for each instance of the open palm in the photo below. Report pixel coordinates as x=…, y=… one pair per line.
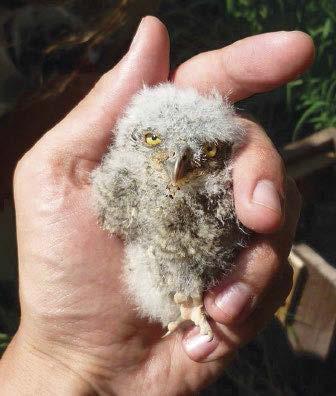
x=75, y=314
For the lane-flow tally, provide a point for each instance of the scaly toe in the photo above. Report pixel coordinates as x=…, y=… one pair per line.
x=172, y=326
x=198, y=316
x=205, y=329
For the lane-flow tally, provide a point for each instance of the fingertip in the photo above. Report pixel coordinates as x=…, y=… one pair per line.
x=155, y=21
x=300, y=50
x=197, y=346
x=150, y=49
x=230, y=303
x=259, y=203
x=157, y=31
x=268, y=60
x=259, y=218
x=305, y=42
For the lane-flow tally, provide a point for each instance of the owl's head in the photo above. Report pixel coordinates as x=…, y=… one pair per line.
x=179, y=132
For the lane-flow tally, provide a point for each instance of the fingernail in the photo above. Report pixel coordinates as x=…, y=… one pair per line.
x=236, y=301
x=137, y=33
x=265, y=194
x=198, y=346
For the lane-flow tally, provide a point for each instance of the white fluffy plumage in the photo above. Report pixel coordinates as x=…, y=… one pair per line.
x=165, y=188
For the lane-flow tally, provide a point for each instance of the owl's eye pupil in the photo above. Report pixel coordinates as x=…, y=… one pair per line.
x=151, y=139
x=210, y=150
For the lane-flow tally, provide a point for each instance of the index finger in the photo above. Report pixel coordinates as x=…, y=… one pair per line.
x=249, y=66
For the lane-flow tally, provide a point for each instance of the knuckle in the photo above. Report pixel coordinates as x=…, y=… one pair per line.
x=269, y=155
x=22, y=166
x=103, y=81
x=268, y=269
x=260, y=151
x=40, y=159
x=273, y=260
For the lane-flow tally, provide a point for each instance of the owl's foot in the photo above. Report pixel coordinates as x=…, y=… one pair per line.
x=191, y=308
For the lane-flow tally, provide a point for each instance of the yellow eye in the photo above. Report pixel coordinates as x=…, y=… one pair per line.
x=151, y=139
x=210, y=150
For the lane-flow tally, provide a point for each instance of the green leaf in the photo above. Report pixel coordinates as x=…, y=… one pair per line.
x=4, y=337
x=305, y=117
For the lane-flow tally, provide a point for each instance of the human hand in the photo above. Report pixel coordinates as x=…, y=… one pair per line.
x=75, y=319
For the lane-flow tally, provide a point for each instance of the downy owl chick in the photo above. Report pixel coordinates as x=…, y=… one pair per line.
x=165, y=187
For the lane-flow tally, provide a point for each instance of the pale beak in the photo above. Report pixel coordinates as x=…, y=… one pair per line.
x=179, y=166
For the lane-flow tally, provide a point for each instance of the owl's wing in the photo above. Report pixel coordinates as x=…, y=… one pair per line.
x=116, y=193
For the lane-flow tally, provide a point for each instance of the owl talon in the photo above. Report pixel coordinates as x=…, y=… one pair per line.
x=166, y=334
x=191, y=308
x=172, y=326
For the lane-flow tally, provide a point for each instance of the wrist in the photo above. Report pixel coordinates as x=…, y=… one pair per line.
x=27, y=370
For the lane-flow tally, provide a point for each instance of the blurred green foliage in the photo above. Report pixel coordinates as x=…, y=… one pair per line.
x=303, y=106
x=311, y=99
x=4, y=341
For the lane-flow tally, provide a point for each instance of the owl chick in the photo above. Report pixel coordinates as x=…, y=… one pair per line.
x=165, y=188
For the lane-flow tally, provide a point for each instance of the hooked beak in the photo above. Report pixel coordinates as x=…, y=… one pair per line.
x=179, y=166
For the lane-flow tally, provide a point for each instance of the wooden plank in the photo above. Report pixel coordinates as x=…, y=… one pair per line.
x=312, y=328
x=318, y=142
x=311, y=154
x=298, y=170
x=287, y=310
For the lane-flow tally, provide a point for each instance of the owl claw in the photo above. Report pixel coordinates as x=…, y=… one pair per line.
x=166, y=334
x=172, y=326
x=191, y=308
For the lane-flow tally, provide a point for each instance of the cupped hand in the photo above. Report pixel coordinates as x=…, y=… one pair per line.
x=78, y=332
